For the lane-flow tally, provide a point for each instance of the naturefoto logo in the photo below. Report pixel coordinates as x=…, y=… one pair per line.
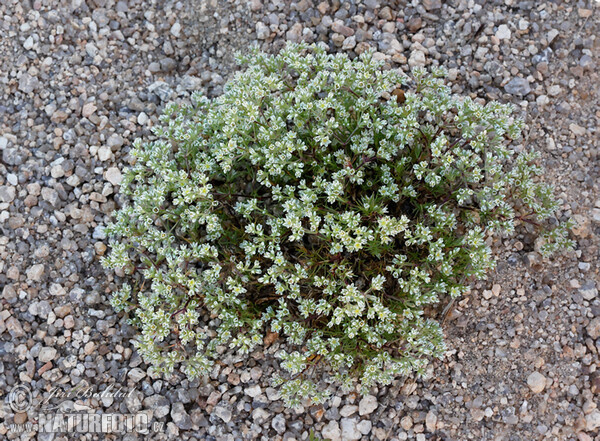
x=21, y=402
x=20, y=398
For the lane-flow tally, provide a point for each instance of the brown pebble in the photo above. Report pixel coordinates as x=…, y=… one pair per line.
x=20, y=418
x=44, y=368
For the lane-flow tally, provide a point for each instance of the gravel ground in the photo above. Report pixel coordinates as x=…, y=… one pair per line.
x=82, y=79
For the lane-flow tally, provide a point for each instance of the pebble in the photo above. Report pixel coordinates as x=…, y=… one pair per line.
x=14, y=327
x=588, y=291
x=406, y=422
x=431, y=5
x=115, y=141
x=88, y=110
x=593, y=329
x=592, y=420
x=577, y=129
x=159, y=405
x=367, y=405
x=7, y=193
x=278, y=423
x=262, y=31
x=417, y=59
x=176, y=30
x=331, y=431
x=431, y=421
x=47, y=354
x=503, y=32
x=113, y=175
x=223, y=413
x=253, y=391
x=518, y=86
x=50, y=195
x=536, y=382
x=180, y=417
x=35, y=272
x=142, y=119
x=105, y=154
x=28, y=44
x=350, y=431
x=348, y=410
x=56, y=289
x=136, y=375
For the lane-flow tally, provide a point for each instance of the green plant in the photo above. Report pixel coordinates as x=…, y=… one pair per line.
x=317, y=199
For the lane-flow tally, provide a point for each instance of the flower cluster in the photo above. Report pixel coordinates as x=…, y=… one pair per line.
x=323, y=199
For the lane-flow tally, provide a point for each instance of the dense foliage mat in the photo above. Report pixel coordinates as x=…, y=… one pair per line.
x=323, y=199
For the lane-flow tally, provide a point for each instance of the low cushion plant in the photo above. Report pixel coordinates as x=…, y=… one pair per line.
x=325, y=200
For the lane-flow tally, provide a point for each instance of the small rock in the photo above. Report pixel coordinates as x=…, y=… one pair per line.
x=349, y=43
x=295, y=33
x=414, y=24
x=168, y=64
x=589, y=291
x=27, y=83
x=115, y=141
x=554, y=90
x=340, y=28
x=348, y=410
x=28, y=44
x=593, y=328
x=142, y=119
x=349, y=430
x=99, y=233
x=577, y=129
x=552, y=34
x=104, y=153
x=113, y=175
x=7, y=194
x=88, y=110
x=431, y=421
x=161, y=90
x=176, y=30
x=364, y=427
x=592, y=420
x=332, y=431
x=255, y=5
x=536, y=382
x=431, y=5
x=253, y=391
x=367, y=405
x=136, y=375
x=181, y=417
x=47, y=354
x=503, y=32
x=20, y=418
x=41, y=309
x=50, y=195
x=56, y=289
x=223, y=413
x=14, y=327
x=91, y=50
x=262, y=31
x=260, y=415
x=518, y=86
x=160, y=405
x=417, y=59
x=387, y=15
x=69, y=322
x=278, y=423
x=89, y=348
